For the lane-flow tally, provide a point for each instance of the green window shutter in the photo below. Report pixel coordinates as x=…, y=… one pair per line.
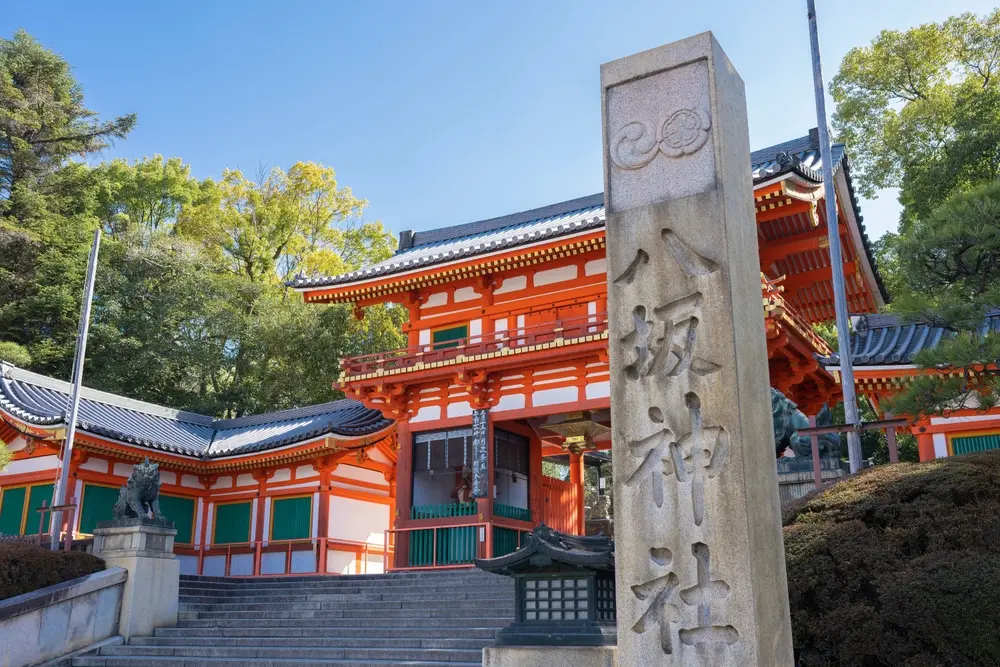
x=443, y=338
x=11, y=510
x=98, y=503
x=291, y=518
x=975, y=443
x=232, y=523
x=37, y=494
x=180, y=510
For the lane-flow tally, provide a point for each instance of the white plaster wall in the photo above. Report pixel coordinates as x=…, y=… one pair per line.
x=122, y=469
x=245, y=479
x=598, y=389
x=267, y=519
x=940, y=445
x=425, y=337
x=98, y=465
x=559, y=275
x=340, y=562
x=303, y=472
x=376, y=564
x=225, y=482
x=475, y=328
x=211, y=519
x=963, y=420
x=168, y=477
x=378, y=456
x=436, y=299
x=17, y=444
x=460, y=409
x=198, y=522
x=595, y=266
x=282, y=475
x=36, y=464
x=553, y=396
x=500, y=324
x=191, y=481
x=465, y=294
x=315, y=515
x=361, y=474
x=512, y=284
x=357, y=521
x=510, y=402
x=253, y=520
x=427, y=413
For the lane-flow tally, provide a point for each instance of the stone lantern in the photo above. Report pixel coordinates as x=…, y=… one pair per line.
x=565, y=590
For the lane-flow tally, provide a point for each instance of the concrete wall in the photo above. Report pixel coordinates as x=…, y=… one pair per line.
x=60, y=619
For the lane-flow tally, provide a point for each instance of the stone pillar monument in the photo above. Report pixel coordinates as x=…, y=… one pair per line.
x=700, y=560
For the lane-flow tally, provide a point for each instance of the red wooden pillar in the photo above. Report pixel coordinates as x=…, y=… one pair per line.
x=325, y=469
x=925, y=445
x=536, y=498
x=404, y=492
x=576, y=478
x=258, y=530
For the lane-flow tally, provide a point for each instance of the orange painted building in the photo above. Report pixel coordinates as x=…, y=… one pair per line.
x=508, y=329
x=883, y=350
x=296, y=491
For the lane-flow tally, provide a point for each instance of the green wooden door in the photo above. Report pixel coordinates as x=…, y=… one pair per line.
x=975, y=443
x=38, y=494
x=291, y=518
x=12, y=510
x=444, y=338
x=98, y=505
x=180, y=510
x=232, y=523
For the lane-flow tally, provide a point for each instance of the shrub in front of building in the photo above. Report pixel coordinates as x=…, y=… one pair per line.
x=899, y=566
x=26, y=567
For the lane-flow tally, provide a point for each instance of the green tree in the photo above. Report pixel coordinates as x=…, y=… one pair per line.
x=6, y=456
x=950, y=263
x=14, y=354
x=43, y=122
x=920, y=110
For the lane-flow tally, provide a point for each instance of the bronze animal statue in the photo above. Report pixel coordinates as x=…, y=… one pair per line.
x=140, y=496
x=788, y=419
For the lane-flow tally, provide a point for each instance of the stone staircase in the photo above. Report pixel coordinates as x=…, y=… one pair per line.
x=424, y=619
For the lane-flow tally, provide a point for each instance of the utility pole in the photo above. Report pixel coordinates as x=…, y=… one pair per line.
x=59, y=493
x=836, y=261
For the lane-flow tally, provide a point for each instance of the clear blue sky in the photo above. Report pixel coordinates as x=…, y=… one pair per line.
x=436, y=112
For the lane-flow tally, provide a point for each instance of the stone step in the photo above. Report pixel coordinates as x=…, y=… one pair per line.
x=280, y=589
x=490, y=611
x=353, y=597
x=293, y=652
x=342, y=622
x=415, y=642
x=409, y=592
x=154, y=661
x=319, y=603
x=311, y=633
x=441, y=576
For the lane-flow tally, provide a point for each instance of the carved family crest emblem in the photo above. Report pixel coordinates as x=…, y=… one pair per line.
x=681, y=133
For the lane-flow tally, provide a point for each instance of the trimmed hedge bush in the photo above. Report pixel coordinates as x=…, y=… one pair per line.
x=25, y=567
x=899, y=567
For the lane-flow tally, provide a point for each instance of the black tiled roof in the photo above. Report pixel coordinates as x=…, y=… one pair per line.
x=421, y=249
x=887, y=340
x=44, y=401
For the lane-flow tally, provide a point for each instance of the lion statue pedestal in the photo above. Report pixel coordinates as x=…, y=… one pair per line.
x=141, y=541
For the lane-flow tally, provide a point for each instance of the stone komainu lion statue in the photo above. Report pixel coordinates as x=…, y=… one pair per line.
x=788, y=419
x=140, y=496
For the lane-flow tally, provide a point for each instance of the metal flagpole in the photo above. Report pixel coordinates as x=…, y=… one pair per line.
x=836, y=262
x=59, y=492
